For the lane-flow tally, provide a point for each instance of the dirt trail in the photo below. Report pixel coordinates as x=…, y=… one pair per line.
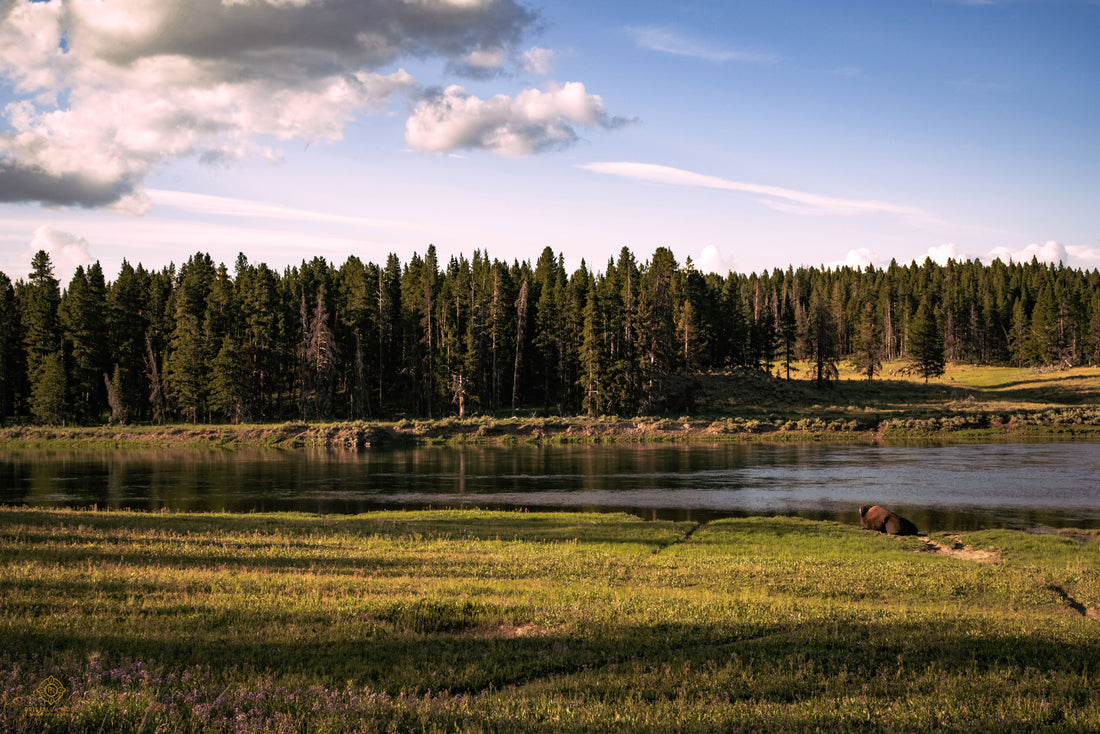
x=963, y=552
x=959, y=550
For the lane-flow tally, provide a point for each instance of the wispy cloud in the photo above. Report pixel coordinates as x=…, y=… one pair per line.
x=776, y=197
x=978, y=85
x=847, y=72
x=671, y=42
x=232, y=207
x=156, y=240
x=539, y=60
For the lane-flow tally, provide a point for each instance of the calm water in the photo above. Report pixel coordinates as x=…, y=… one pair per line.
x=954, y=487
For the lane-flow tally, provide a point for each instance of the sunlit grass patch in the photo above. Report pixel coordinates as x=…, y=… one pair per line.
x=479, y=621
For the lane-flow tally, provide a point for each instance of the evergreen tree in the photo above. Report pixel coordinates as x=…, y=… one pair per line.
x=618, y=357
x=12, y=365
x=592, y=357
x=498, y=329
x=455, y=308
x=521, y=329
x=158, y=312
x=657, y=310
x=1019, y=336
x=220, y=317
x=1043, y=343
x=868, y=343
x=762, y=329
x=788, y=333
x=85, y=333
x=185, y=368
x=389, y=326
x=691, y=327
x=189, y=346
x=419, y=287
x=429, y=329
x=576, y=298
x=1094, y=330
x=126, y=325
x=355, y=325
x=48, y=390
x=628, y=337
x=926, y=348
x=41, y=299
x=550, y=328
x=822, y=337
x=228, y=391
x=737, y=354
x=257, y=297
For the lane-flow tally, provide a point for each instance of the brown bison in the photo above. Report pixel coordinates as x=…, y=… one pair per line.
x=873, y=517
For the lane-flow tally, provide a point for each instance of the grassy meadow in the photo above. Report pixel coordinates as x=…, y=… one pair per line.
x=484, y=622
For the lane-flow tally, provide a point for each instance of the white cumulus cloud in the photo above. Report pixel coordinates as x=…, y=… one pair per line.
x=711, y=260
x=66, y=251
x=1051, y=251
x=861, y=257
x=1048, y=252
x=531, y=121
x=940, y=254
x=109, y=89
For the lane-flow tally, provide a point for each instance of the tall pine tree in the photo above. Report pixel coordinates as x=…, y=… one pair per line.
x=42, y=342
x=926, y=348
x=12, y=365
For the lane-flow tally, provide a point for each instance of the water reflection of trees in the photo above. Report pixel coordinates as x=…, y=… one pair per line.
x=504, y=477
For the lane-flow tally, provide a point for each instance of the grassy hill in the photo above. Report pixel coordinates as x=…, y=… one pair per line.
x=1002, y=393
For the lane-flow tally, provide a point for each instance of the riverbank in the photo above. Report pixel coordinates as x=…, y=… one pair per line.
x=480, y=621
x=967, y=403
x=358, y=435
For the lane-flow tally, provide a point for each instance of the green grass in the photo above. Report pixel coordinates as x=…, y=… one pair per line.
x=481, y=621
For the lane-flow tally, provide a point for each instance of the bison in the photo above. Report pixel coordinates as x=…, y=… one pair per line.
x=873, y=517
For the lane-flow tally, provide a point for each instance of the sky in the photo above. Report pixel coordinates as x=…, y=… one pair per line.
x=742, y=134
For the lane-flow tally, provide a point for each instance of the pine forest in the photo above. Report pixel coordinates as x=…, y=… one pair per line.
x=203, y=343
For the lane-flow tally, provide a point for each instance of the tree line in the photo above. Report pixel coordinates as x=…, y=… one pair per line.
x=361, y=340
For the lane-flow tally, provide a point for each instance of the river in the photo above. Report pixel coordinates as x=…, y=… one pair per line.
x=940, y=487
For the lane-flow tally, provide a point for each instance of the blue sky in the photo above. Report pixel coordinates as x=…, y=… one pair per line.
x=744, y=135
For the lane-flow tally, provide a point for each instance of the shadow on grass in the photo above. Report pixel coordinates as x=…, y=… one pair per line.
x=1055, y=392
x=477, y=660
x=253, y=530
x=755, y=394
